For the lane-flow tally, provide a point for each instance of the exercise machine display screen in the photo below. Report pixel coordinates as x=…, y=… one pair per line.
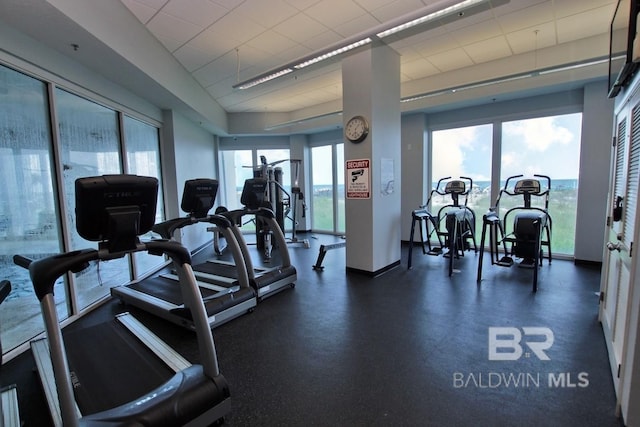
x=111, y=205
x=199, y=196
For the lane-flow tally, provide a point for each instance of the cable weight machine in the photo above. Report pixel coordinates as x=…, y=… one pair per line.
x=281, y=202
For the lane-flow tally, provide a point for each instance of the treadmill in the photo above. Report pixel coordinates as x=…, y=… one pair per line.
x=266, y=281
x=9, y=410
x=104, y=375
x=226, y=296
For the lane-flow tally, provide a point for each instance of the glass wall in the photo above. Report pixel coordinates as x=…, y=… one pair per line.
x=236, y=167
x=323, y=197
x=37, y=203
x=327, y=183
x=547, y=146
x=89, y=146
x=464, y=152
x=29, y=221
x=143, y=158
x=339, y=172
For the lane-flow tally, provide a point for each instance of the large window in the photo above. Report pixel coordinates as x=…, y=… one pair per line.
x=464, y=152
x=29, y=223
x=33, y=198
x=323, y=197
x=89, y=142
x=143, y=158
x=238, y=165
x=327, y=202
x=547, y=146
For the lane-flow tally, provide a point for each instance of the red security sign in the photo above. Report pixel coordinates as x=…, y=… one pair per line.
x=358, y=179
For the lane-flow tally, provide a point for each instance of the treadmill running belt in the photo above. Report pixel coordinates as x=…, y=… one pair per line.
x=165, y=289
x=224, y=270
x=125, y=370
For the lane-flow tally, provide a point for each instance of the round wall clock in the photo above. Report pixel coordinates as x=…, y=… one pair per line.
x=356, y=129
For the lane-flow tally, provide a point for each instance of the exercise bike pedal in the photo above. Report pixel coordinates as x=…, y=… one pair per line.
x=527, y=263
x=505, y=261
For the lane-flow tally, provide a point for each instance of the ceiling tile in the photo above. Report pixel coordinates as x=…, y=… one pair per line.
x=418, y=69
x=564, y=8
x=326, y=13
x=321, y=41
x=273, y=43
x=527, y=17
x=361, y=24
x=488, y=50
x=529, y=40
x=267, y=13
x=170, y=44
x=450, y=60
x=168, y=26
x=218, y=70
x=436, y=45
x=199, y=12
x=300, y=27
x=395, y=9
x=301, y=4
x=484, y=30
x=192, y=58
x=142, y=11
x=582, y=25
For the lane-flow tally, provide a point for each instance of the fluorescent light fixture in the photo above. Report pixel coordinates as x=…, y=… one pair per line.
x=301, y=121
x=514, y=77
x=492, y=82
x=363, y=39
x=333, y=53
x=260, y=80
x=575, y=66
x=458, y=7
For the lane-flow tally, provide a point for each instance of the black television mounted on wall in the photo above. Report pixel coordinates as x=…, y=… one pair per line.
x=622, y=33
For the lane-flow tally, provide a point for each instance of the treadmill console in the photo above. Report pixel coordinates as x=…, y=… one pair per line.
x=198, y=196
x=117, y=208
x=253, y=193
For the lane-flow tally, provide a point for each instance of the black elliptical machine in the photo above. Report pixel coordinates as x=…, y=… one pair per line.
x=459, y=222
x=526, y=235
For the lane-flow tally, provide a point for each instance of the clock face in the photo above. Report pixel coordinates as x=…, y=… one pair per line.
x=356, y=129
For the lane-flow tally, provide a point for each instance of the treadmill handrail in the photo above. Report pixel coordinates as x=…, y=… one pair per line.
x=167, y=228
x=45, y=271
x=235, y=216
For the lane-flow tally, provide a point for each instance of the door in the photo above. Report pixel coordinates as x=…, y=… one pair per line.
x=615, y=289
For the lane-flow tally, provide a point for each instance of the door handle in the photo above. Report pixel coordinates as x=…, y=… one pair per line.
x=614, y=246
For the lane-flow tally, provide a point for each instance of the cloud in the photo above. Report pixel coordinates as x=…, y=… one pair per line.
x=538, y=134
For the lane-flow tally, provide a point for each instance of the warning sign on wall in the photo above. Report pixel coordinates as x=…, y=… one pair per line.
x=358, y=179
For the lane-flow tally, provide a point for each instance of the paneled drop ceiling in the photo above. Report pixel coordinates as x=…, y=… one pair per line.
x=223, y=42
x=187, y=55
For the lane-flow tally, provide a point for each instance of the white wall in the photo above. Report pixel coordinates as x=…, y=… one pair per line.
x=194, y=154
x=414, y=169
x=595, y=157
